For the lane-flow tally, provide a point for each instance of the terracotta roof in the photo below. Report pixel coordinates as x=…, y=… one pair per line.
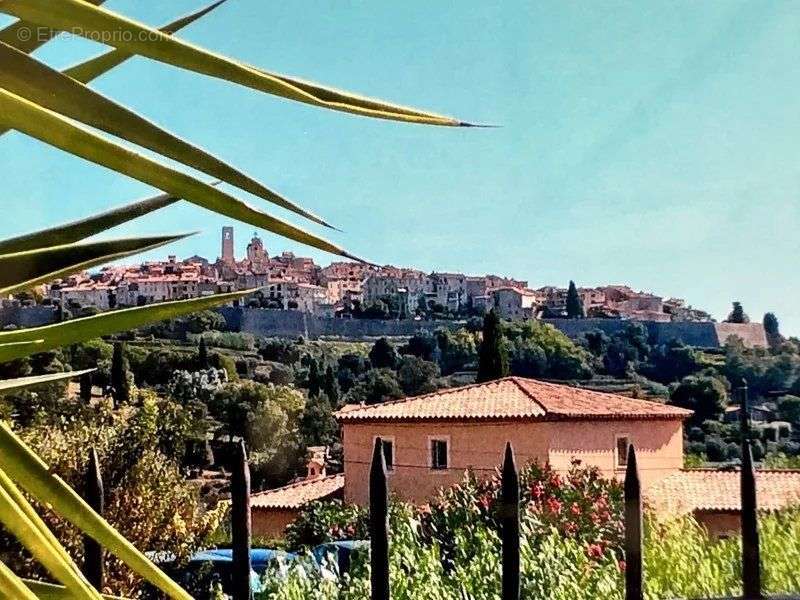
x=512, y=398
x=297, y=494
x=715, y=490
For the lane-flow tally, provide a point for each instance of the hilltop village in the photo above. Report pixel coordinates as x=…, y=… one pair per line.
x=350, y=289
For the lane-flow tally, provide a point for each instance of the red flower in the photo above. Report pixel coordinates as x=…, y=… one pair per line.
x=554, y=505
x=537, y=490
x=575, y=509
x=622, y=565
x=555, y=480
x=594, y=550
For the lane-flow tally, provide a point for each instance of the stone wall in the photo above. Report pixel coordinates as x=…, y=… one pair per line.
x=292, y=323
x=27, y=316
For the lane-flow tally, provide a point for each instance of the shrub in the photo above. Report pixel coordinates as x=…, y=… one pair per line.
x=716, y=449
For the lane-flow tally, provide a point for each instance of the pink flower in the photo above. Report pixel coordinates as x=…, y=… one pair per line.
x=594, y=550
x=553, y=505
x=575, y=509
x=622, y=564
x=537, y=490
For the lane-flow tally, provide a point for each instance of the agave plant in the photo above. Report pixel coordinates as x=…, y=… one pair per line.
x=60, y=109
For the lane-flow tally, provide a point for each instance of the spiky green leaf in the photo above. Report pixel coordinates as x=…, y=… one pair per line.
x=23, y=270
x=50, y=127
x=33, y=80
x=19, y=518
x=24, y=467
x=76, y=231
x=81, y=330
x=90, y=69
x=12, y=586
x=100, y=24
x=10, y=385
x=27, y=36
x=50, y=591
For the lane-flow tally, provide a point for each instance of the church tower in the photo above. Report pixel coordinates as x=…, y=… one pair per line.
x=227, y=246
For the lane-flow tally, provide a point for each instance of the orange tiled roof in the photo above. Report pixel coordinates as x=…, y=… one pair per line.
x=512, y=398
x=297, y=494
x=714, y=490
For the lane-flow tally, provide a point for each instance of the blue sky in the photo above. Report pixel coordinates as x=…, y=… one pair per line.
x=649, y=143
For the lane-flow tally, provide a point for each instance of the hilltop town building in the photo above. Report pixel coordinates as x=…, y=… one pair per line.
x=293, y=282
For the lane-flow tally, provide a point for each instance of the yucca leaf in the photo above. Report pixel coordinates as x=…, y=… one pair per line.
x=76, y=231
x=90, y=69
x=23, y=525
x=100, y=24
x=8, y=385
x=33, y=80
x=27, y=344
x=28, y=36
x=87, y=328
x=58, y=131
x=23, y=270
x=26, y=468
x=50, y=591
x=12, y=586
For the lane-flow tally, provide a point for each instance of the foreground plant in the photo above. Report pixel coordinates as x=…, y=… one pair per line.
x=59, y=109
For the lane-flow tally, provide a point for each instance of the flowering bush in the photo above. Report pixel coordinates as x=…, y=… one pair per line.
x=330, y=521
x=580, y=505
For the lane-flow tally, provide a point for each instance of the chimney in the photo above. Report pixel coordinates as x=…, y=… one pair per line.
x=316, y=462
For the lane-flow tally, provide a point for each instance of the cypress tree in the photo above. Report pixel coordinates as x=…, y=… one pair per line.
x=86, y=387
x=202, y=353
x=493, y=358
x=120, y=385
x=314, y=386
x=331, y=386
x=574, y=304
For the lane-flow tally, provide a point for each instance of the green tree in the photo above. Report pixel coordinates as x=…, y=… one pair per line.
x=493, y=356
x=772, y=330
x=737, y=315
x=422, y=344
x=120, y=375
x=704, y=394
x=383, y=355
x=574, y=304
x=331, y=386
x=314, y=378
x=377, y=385
x=318, y=427
x=417, y=376
x=267, y=417
x=789, y=409
x=202, y=354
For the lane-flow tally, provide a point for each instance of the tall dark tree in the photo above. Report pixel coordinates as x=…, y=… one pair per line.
x=493, y=356
x=202, y=353
x=737, y=315
x=314, y=379
x=383, y=355
x=86, y=387
x=331, y=386
x=772, y=330
x=574, y=304
x=120, y=380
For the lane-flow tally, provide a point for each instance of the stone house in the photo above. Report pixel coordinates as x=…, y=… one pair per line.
x=431, y=440
x=712, y=496
x=514, y=303
x=272, y=510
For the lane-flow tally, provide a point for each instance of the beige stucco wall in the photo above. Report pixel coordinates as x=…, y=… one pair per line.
x=480, y=446
x=271, y=522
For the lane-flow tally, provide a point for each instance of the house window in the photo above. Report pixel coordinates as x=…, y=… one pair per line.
x=623, y=441
x=388, y=452
x=439, y=454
